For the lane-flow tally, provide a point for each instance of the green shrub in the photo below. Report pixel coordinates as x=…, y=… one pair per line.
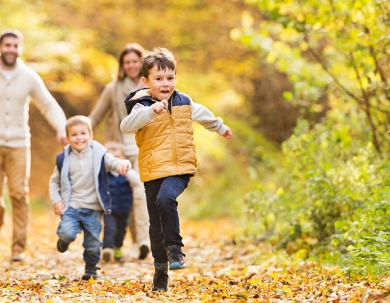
x=333, y=202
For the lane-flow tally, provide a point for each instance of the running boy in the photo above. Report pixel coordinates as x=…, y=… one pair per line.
x=121, y=189
x=162, y=117
x=79, y=190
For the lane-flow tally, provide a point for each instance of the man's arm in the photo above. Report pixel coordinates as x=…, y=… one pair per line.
x=49, y=108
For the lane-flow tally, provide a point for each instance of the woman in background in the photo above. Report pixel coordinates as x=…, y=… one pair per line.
x=112, y=107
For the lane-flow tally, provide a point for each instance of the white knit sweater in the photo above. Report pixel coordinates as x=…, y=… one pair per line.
x=112, y=106
x=14, y=106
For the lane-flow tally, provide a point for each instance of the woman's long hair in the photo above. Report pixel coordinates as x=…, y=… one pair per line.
x=128, y=48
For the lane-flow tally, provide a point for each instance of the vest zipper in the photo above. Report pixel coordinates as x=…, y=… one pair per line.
x=174, y=154
x=173, y=140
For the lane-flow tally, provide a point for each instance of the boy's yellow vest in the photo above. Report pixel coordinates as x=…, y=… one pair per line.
x=166, y=145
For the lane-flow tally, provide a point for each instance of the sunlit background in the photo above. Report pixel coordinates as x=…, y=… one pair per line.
x=302, y=84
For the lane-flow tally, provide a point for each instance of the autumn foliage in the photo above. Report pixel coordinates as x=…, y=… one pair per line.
x=217, y=270
x=304, y=86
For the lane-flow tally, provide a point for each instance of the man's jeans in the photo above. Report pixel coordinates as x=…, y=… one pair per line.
x=15, y=164
x=164, y=229
x=87, y=220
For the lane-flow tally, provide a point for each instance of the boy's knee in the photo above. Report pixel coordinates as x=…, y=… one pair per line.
x=66, y=234
x=165, y=202
x=92, y=251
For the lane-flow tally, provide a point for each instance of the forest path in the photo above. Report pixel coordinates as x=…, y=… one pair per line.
x=217, y=270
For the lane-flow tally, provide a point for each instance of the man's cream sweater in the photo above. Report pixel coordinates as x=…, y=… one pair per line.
x=14, y=106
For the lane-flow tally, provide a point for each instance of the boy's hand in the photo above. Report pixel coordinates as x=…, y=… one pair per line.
x=59, y=209
x=160, y=107
x=228, y=134
x=62, y=138
x=123, y=167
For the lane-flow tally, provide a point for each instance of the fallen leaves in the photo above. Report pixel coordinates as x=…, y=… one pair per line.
x=216, y=271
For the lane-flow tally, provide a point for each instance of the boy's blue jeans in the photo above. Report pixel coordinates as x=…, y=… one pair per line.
x=87, y=220
x=115, y=230
x=164, y=228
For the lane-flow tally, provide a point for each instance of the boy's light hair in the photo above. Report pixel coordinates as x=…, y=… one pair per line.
x=77, y=120
x=160, y=57
x=116, y=146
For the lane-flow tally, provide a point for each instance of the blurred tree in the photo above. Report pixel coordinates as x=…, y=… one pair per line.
x=338, y=47
x=72, y=45
x=199, y=35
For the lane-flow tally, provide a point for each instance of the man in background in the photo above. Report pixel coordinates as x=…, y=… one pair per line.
x=17, y=83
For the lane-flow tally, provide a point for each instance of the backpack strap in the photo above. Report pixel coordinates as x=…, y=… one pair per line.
x=60, y=161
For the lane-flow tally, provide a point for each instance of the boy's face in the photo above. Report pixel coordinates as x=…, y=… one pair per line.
x=117, y=152
x=161, y=83
x=79, y=136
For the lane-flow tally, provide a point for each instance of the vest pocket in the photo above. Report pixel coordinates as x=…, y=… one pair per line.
x=149, y=163
x=195, y=157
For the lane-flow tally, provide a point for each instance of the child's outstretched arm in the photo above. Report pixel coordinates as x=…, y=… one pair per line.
x=133, y=177
x=123, y=167
x=202, y=115
x=116, y=164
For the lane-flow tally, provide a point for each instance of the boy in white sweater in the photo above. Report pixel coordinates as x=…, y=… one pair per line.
x=79, y=190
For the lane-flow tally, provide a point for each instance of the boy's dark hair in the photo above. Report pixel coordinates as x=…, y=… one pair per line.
x=128, y=48
x=78, y=120
x=10, y=33
x=160, y=57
